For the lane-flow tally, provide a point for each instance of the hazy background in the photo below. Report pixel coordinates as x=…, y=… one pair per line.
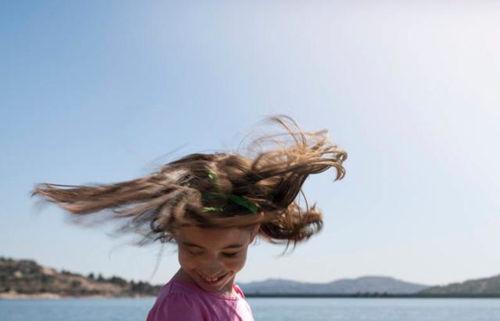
x=101, y=91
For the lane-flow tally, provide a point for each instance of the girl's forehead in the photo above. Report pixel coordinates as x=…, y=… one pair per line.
x=213, y=237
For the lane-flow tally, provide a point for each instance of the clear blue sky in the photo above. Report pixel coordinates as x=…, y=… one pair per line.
x=101, y=91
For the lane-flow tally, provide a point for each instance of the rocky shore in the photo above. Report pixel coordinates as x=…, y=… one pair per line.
x=25, y=279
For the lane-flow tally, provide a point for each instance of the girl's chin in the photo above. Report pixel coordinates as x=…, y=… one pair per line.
x=223, y=284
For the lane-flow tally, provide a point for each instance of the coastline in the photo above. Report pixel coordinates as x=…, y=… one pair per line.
x=55, y=296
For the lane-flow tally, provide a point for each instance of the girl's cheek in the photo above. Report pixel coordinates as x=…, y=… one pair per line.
x=236, y=264
x=186, y=260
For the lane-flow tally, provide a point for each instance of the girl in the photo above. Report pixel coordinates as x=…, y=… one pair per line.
x=212, y=206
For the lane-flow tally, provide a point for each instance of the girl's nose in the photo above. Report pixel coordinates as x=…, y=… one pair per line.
x=211, y=266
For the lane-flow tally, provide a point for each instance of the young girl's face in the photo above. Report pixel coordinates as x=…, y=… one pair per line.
x=212, y=257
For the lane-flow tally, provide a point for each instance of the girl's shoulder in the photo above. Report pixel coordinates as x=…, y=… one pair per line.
x=176, y=302
x=182, y=300
x=239, y=291
x=174, y=287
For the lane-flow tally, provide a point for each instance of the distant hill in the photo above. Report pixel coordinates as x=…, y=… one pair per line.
x=364, y=285
x=26, y=278
x=20, y=278
x=485, y=286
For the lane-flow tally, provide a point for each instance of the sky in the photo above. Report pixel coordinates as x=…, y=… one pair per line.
x=106, y=91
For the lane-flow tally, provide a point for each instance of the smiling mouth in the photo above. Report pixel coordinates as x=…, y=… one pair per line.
x=212, y=280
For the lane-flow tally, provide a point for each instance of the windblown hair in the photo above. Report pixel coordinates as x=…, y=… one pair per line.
x=155, y=205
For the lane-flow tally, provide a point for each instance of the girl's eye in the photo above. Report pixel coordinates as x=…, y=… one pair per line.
x=230, y=254
x=194, y=253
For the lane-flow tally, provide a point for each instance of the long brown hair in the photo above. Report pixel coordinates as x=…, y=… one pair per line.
x=215, y=190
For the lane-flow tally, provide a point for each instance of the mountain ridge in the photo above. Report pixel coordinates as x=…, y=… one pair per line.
x=364, y=284
x=480, y=286
x=27, y=279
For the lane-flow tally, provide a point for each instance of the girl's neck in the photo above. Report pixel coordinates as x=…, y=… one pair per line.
x=182, y=276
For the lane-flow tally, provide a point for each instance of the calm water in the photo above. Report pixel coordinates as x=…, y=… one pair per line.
x=268, y=309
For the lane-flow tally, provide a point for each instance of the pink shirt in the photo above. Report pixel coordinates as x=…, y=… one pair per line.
x=183, y=301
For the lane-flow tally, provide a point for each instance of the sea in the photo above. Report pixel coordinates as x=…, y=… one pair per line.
x=264, y=309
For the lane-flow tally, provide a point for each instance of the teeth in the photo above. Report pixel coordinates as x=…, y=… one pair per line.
x=212, y=279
